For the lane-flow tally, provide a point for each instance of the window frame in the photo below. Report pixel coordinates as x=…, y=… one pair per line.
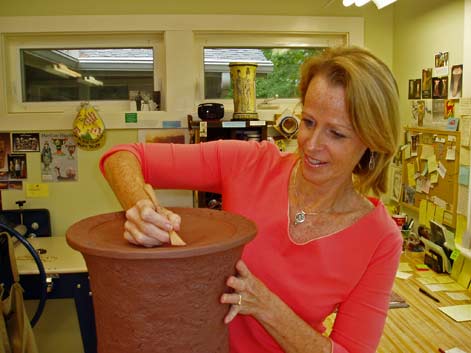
x=14, y=65
x=173, y=35
x=258, y=40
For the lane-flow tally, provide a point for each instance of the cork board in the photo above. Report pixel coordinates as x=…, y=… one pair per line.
x=430, y=170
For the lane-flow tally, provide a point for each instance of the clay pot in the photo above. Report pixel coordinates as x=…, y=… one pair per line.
x=163, y=299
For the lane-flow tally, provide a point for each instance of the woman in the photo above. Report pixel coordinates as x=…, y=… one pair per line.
x=322, y=245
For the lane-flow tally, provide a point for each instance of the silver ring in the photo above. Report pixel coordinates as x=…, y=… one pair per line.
x=240, y=299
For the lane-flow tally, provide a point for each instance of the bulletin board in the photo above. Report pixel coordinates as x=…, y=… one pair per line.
x=430, y=171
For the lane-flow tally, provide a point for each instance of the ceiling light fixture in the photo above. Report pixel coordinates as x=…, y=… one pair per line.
x=90, y=81
x=361, y=2
x=383, y=3
x=348, y=3
x=63, y=69
x=379, y=3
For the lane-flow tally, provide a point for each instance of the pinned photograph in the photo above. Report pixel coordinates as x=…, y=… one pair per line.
x=415, y=88
x=441, y=64
x=396, y=183
x=409, y=195
x=5, y=149
x=450, y=105
x=438, y=110
x=58, y=157
x=440, y=87
x=421, y=112
x=24, y=142
x=441, y=59
x=456, y=81
x=427, y=83
x=17, y=166
x=144, y=101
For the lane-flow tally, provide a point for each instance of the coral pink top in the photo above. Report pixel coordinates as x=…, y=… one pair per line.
x=351, y=271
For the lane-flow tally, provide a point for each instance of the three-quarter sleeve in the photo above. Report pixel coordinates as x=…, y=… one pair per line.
x=361, y=317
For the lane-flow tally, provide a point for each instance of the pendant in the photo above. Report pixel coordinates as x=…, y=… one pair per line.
x=299, y=217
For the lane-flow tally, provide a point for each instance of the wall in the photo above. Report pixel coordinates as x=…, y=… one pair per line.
x=421, y=29
x=58, y=328
x=90, y=195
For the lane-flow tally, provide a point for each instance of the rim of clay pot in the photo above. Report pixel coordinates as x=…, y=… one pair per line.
x=89, y=236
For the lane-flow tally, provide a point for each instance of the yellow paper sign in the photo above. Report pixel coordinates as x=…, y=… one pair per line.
x=427, y=151
x=461, y=225
x=432, y=163
x=37, y=190
x=411, y=174
x=439, y=213
x=423, y=212
x=430, y=213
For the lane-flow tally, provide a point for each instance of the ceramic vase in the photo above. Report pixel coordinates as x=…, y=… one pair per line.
x=162, y=299
x=243, y=88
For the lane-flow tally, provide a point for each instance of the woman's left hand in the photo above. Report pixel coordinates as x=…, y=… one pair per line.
x=250, y=296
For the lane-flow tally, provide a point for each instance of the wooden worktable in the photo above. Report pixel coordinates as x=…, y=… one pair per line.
x=58, y=258
x=422, y=328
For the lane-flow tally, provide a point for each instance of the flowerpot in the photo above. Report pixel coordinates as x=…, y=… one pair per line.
x=162, y=299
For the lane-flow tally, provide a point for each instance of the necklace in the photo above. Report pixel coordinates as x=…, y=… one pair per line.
x=300, y=215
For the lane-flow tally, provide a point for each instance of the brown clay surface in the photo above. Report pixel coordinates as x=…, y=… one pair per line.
x=204, y=230
x=162, y=299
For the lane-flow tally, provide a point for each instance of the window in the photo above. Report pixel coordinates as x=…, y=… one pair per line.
x=51, y=73
x=278, y=57
x=277, y=70
x=85, y=74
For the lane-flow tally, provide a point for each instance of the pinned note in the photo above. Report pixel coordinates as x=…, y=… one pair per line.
x=410, y=174
x=465, y=106
x=464, y=175
x=406, y=150
x=427, y=151
x=432, y=163
x=451, y=153
x=461, y=225
x=439, y=213
x=441, y=169
x=423, y=212
x=430, y=212
x=37, y=190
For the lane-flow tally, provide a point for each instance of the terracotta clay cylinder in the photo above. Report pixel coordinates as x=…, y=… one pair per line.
x=162, y=299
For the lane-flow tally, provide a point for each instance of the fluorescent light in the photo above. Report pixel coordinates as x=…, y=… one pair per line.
x=361, y=2
x=64, y=70
x=90, y=81
x=348, y=3
x=383, y=3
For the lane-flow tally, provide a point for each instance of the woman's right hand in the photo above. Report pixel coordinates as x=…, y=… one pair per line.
x=147, y=226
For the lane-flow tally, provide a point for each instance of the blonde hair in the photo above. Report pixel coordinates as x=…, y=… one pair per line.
x=372, y=97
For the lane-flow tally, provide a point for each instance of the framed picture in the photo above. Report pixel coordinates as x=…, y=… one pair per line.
x=25, y=142
x=144, y=100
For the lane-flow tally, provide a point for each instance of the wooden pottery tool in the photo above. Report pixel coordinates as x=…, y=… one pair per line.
x=174, y=237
